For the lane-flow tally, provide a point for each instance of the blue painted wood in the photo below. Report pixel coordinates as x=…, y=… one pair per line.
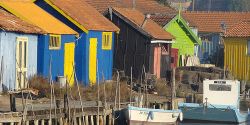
x=105, y=57
x=56, y=57
x=8, y=52
x=209, y=49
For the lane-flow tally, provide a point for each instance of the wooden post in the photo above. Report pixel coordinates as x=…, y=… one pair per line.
x=173, y=88
x=105, y=119
x=36, y=122
x=86, y=120
x=61, y=121
x=101, y=120
x=111, y=120
x=91, y=120
x=42, y=122
x=75, y=121
x=80, y=120
x=50, y=121
x=27, y=122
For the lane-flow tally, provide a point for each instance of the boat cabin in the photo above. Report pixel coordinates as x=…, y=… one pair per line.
x=221, y=92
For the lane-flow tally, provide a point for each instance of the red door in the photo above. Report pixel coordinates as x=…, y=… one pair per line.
x=174, y=57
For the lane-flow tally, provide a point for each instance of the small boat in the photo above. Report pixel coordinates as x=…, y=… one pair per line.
x=220, y=103
x=150, y=116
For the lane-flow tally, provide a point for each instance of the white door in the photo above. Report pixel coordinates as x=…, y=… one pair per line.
x=21, y=62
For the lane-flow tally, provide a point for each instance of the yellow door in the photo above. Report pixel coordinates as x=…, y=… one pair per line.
x=92, y=60
x=69, y=56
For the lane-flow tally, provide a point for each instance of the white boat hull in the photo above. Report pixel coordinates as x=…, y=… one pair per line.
x=146, y=116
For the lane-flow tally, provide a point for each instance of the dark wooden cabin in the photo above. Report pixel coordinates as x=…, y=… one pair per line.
x=141, y=42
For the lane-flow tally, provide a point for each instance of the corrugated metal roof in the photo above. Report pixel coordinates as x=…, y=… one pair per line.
x=241, y=29
x=85, y=14
x=28, y=11
x=211, y=21
x=137, y=18
x=9, y=22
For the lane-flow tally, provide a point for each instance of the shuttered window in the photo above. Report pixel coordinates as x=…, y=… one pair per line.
x=106, y=40
x=55, y=42
x=248, y=47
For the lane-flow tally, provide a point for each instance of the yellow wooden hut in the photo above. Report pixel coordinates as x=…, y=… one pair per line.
x=237, y=50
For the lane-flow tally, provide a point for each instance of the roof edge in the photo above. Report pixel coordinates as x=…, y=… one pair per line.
x=183, y=22
x=65, y=15
x=15, y=13
x=131, y=23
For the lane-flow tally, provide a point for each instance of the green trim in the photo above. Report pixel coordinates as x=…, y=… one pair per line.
x=66, y=16
x=182, y=22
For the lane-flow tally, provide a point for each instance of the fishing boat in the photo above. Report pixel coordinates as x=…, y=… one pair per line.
x=220, y=103
x=139, y=115
x=150, y=116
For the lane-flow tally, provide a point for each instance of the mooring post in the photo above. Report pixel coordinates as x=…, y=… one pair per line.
x=75, y=121
x=12, y=123
x=61, y=121
x=36, y=122
x=50, y=121
x=91, y=120
x=110, y=119
x=80, y=120
x=42, y=122
x=101, y=120
x=86, y=120
x=104, y=119
x=12, y=103
x=27, y=122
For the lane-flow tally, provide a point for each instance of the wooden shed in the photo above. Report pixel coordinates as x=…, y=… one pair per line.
x=237, y=50
x=18, y=51
x=210, y=26
x=186, y=41
x=56, y=47
x=94, y=49
x=141, y=42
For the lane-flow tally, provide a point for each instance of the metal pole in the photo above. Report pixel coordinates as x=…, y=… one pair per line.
x=173, y=88
x=131, y=80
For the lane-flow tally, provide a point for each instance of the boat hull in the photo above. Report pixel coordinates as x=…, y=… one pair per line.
x=145, y=116
x=213, y=114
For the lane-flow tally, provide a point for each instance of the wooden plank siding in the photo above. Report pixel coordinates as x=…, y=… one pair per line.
x=8, y=54
x=236, y=58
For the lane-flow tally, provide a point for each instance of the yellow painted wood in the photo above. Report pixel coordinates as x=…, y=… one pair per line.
x=69, y=62
x=106, y=40
x=65, y=15
x=35, y=15
x=92, y=60
x=236, y=58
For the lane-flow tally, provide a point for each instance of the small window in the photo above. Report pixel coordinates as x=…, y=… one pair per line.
x=106, y=40
x=219, y=87
x=248, y=47
x=55, y=42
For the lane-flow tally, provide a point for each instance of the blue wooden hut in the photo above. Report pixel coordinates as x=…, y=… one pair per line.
x=56, y=48
x=94, y=49
x=18, y=51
